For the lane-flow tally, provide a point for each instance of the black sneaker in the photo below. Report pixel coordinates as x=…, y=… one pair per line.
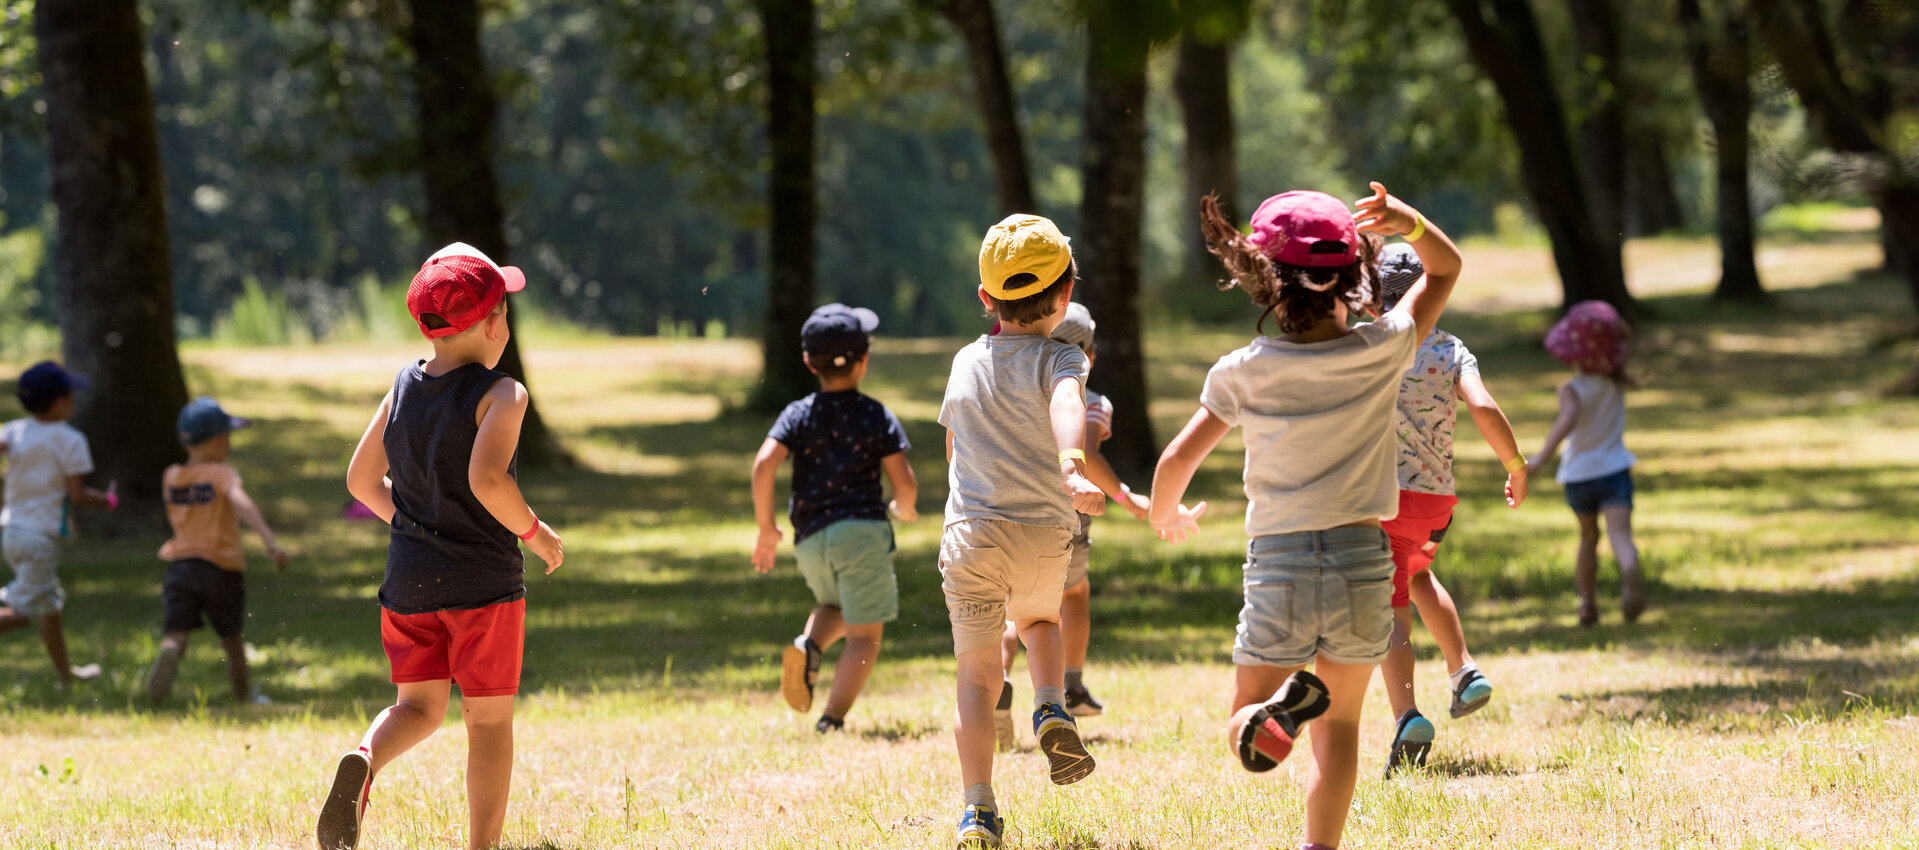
x=1471, y=692
x=1412, y=740
x=828, y=723
x=345, y=806
x=1266, y=737
x=1080, y=702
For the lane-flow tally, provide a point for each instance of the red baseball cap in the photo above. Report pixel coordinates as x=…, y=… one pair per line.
x=1302, y=228
x=460, y=285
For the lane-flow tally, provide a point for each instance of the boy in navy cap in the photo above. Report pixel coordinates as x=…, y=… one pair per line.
x=47, y=464
x=840, y=441
x=206, y=579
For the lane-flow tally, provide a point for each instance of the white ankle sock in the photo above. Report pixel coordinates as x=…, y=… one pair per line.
x=1049, y=693
x=980, y=795
x=1460, y=674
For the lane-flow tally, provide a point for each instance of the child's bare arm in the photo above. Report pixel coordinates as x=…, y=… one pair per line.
x=1100, y=472
x=79, y=494
x=1498, y=433
x=500, y=413
x=766, y=466
x=1568, y=417
x=249, y=513
x=366, y=473
x=1389, y=216
x=1068, y=413
x=906, y=486
x=1174, y=521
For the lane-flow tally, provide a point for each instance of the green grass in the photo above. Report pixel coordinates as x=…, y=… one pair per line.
x=1766, y=700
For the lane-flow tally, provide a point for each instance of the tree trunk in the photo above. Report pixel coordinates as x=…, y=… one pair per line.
x=1652, y=207
x=114, y=266
x=993, y=92
x=1505, y=44
x=456, y=108
x=1721, y=68
x=1602, y=130
x=1111, y=210
x=1203, y=83
x=789, y=29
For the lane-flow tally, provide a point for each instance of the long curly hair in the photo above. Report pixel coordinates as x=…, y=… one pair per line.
x=1299, y=297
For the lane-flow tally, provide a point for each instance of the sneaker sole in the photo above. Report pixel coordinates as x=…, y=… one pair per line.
x=1270, y=740
x=976, y=838
x=1085, y=710
x=1066, y=755
x=1411, y=745
x=1004, y=737
x=793, y=687
x=1461, y=709
x=339, y=827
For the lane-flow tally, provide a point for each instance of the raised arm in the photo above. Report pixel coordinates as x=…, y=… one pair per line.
x=1068, y=414
x=1568, y=417
x=1174, y=521
x=766, y=467
x=906, y=486
x=249, y=513
x=366, y=473
x=500, y=413
x=1498, y=433
x=1389, y=216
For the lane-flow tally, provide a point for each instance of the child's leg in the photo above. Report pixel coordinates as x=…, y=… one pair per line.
x=1397, y=670
x=1586, y=568
x=1619, y=537
x=1008, y=648
x=1255, y=683
x=855, y=664
x=1076, y=623
x=825, y=626
x=1329, y=784
x=414, y=716
x=236, y=647
x=1441, y=617
x=11, y=620
x=166, y=664
x=54, y=635
x=979, y=686
x=489, y=766
x=1045, y=654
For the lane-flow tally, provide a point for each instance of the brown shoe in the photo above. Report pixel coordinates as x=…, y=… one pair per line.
x=799, y=666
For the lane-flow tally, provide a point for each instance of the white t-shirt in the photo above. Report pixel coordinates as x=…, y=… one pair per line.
x=1099, y=417
x=999, y=407
x=1427, y=412
x=1596, y=447
x=1318, y=424
x=40, y=457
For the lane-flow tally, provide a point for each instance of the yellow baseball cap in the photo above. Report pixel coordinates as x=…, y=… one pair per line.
x=1022, y=244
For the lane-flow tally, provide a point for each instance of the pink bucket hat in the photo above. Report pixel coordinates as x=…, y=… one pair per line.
x=1302, y=228
x=1591, y=338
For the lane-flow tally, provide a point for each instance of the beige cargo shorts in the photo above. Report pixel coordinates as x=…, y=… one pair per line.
x=993, y=571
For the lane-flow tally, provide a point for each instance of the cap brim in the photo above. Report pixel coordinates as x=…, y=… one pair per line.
x=515, y=279
x=868, y=319
x=235, y=423
x=77, y=382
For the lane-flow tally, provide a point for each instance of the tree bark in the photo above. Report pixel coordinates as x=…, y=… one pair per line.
x=1503, y=38
x=1602, y=129
x=1652, y=207
x=456, y=108
x=114, y=265
x=1721, y=68
x=1111, y=211
x=792, y=204
x=993, y=93
x=1203, y=83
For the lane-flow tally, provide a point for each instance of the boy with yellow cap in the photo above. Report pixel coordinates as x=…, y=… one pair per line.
x=1015, y=417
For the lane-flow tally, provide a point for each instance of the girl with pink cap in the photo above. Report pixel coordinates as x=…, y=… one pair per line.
x=1315, y=402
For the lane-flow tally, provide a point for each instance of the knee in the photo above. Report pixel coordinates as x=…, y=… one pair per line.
x=1078, y=592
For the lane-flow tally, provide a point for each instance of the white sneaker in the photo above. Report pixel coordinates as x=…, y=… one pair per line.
x=86, y=672
x=259, y=699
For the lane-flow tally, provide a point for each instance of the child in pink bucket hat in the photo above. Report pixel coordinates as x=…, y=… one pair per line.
x=1591, y=337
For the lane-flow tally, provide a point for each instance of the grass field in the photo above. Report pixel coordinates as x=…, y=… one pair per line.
x=1768, y=699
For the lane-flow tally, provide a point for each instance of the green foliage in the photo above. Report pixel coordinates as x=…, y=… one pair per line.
x=258, y=317
x=23, y=335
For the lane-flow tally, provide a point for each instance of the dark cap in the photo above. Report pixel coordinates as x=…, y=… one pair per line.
x=203, y=419
x=45, y=383
x=837, y=333
x=1399, y=269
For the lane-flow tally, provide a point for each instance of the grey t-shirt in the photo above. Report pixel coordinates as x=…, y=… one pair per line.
x=998, y=406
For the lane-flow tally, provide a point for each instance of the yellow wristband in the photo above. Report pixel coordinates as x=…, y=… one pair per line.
x=1418, y=229
x=1072, y=454
x=1515, y=463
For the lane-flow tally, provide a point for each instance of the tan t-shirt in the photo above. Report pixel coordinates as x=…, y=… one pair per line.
x=204, y=525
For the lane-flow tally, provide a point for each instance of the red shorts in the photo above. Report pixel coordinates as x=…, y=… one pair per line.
x=1415, y=534
x=479, y=648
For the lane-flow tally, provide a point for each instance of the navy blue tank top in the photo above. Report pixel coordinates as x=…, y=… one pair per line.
x=446, y=552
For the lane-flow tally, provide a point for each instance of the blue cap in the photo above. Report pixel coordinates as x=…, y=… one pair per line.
x=45, y=383
x=838, y=333
x=203, y=419
x=1399, y=269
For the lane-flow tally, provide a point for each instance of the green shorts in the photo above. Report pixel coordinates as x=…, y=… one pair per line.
x=849, y=564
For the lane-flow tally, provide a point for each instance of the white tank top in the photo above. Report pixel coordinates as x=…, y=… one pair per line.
x=1596, y=447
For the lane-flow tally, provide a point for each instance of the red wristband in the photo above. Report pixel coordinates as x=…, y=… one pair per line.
x=532, y=531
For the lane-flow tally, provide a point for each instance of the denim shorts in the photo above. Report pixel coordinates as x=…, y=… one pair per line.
x=1325, y=594
x=1597, y=494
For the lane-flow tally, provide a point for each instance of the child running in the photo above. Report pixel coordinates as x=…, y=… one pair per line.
x=1444, y=373
x=1075, y=607
x=438, y=463
x=207, y=578
x=840, y=441
x=1015, y=417
x=1316, y=403
x=1597, y=468
x=47, y=464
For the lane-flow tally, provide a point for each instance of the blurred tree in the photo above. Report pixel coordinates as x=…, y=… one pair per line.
x=1202, y=81
x=788, y=26
x=1504, y=39
x=1600, y=83
x=1722, y=69
x=993, y=92
x=456, y=112
x=116, y=284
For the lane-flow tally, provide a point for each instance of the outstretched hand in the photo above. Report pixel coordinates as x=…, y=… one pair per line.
x=765, y=549
x=1183, y=524
x=1384, y=214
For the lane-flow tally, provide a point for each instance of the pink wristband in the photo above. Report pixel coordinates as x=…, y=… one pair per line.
x=531, y=531
x=113, y=501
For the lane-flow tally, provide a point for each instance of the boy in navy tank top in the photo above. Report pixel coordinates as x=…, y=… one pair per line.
x=437, y=462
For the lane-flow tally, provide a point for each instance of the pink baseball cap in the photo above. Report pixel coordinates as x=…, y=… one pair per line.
x=1591, y=337
x=1301, y=228
x=460, y=285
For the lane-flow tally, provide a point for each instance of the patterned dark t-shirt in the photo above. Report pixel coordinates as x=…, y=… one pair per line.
x=837, y=440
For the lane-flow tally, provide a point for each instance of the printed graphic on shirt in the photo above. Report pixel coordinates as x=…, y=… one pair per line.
x=837, y=441
x=1427, y=412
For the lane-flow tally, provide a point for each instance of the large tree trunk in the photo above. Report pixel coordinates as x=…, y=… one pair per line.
x=1601, y=85
x=993, y=92
x=1652, y=207
x=1721, y=68
x=1504, y=40
x=1203, y=83
x=1111, y=210
x=789, y=29
x=115, y=270
x=456, y=109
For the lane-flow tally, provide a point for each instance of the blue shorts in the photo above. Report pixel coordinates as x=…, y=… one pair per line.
x=1325, y=594
x=1597, y=494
